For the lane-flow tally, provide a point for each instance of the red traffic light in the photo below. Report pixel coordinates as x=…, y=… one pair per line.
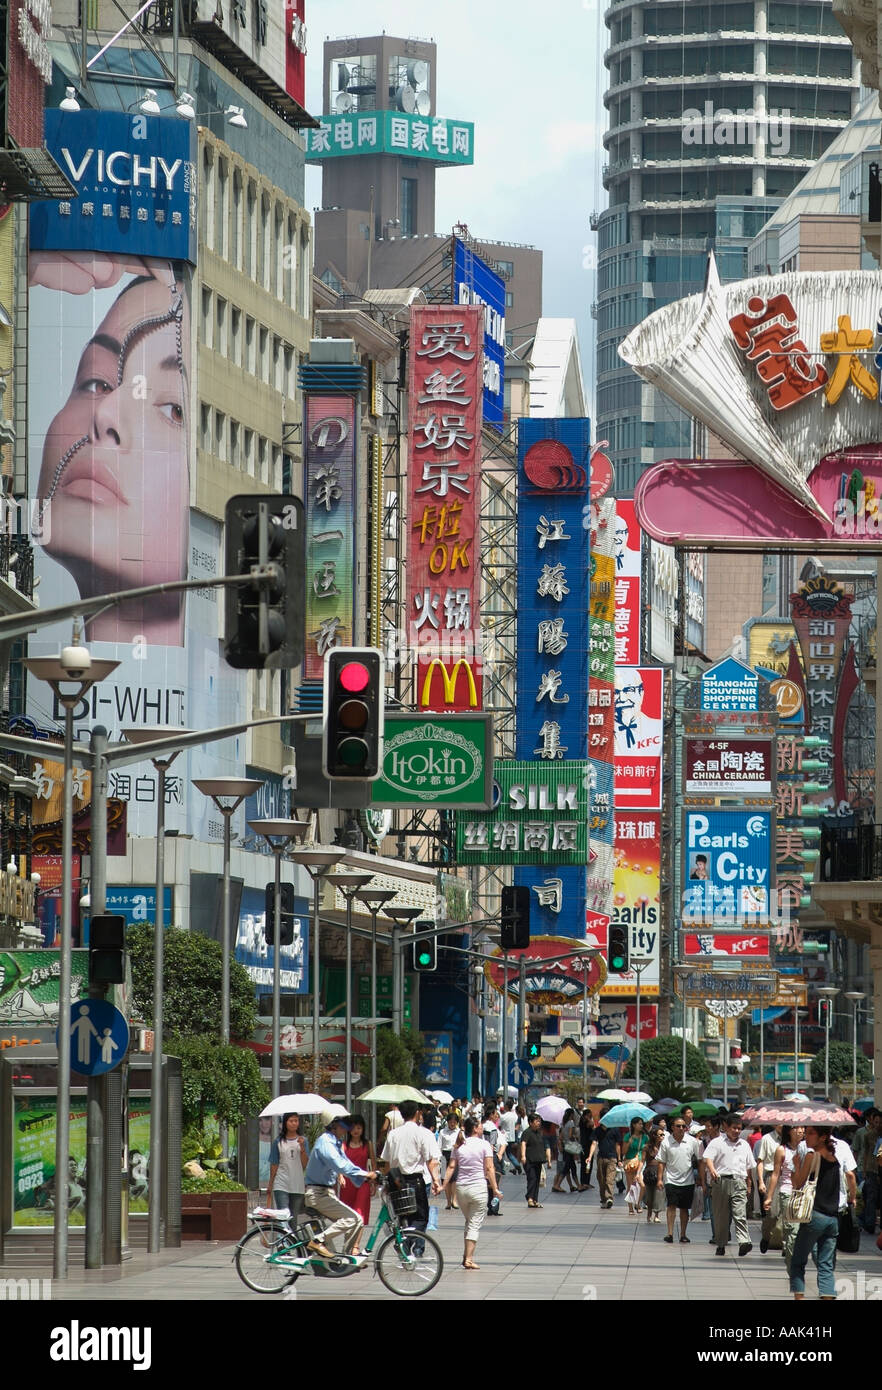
x=354, y=677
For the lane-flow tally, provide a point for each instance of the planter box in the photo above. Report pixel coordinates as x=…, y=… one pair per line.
x=213, y=1215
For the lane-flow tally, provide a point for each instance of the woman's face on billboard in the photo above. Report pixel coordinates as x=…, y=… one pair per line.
x=114, y=478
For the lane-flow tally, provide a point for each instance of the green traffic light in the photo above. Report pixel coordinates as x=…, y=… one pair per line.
x=425, y=958
x=617, y=962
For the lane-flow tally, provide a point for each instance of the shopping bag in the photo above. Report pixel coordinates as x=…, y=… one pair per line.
x=849, y=1238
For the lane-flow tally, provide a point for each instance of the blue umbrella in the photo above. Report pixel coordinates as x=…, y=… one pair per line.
x=621, y=1115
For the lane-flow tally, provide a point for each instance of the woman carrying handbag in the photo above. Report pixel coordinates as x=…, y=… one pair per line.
x=814, y=1205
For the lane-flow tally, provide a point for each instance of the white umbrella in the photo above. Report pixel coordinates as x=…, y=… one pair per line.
x=305, y=1103
x=640, y=1097
x=552, y=1109
x=613, y=1093
x=338, y=1111
x=442, y=1097
x=797, y=1095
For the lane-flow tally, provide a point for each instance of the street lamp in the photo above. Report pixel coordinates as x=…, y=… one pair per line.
x=318, y=861
x=73, y=667
x=828, y=992
x=681, y=971
x=227, y=793
x=400, y=917
x=349, y=885
x=154, y=1190
x=638, y=965
x=797, y=1015
x=279, y=835
x=373, y=899
x=854, y=996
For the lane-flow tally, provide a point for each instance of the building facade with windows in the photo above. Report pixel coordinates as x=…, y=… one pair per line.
x=715, y=114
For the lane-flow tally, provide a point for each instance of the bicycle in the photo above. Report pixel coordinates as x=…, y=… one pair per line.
x=274, y=1254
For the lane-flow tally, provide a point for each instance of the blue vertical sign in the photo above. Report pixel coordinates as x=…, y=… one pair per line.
x=476, y=283
x=554, y=557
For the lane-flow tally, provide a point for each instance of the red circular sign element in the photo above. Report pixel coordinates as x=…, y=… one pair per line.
x=555, y=973
x=354, y=677
x=550, y=466
x=602, y=476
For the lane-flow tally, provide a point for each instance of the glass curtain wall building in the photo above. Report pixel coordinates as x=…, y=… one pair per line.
x=716, y=111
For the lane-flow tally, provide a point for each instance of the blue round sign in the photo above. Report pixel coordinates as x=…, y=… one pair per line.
x=99, y=1037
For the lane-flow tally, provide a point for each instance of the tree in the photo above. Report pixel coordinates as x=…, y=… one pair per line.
x=219, y=1080
x=398, y=1058
x=661, y=1066
x=841, y=1065
x=191, y=983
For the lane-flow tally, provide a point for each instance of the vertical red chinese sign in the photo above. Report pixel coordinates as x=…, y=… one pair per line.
x=444, y=485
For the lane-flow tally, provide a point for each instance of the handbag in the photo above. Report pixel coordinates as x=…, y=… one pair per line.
x=572, y=1147
x=849, y=1238
x=799, y=1206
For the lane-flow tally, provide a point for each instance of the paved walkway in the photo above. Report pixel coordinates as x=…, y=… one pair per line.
x=570, y=1250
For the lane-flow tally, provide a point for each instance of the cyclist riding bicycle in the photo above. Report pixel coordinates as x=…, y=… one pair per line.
x=326, y=1162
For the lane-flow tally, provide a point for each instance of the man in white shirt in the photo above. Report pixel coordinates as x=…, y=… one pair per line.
x=765, y=1166
x=508, y=1127
x=414, y=1151
x=677, y=1166
x=729, y=1164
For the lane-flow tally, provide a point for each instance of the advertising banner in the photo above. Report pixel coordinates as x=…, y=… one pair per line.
x=637, y=895
x=109, y=453
x=29, y=984
x=256, y=956
x=734, y=767
x=639, y=736
x=617, y=1023
x=554, y=974
x=628, y=581
x=730, y=944
x=437, y=1063
x=542, y=811
x=137, y=902
x=730, y=685
x=664, y=571
x=446, y=762
x=474, y=282
x=391, y=132
x=331, y=438
x=727, y=866
x=601, y=696
x=702, y=985
x=444, y=483
x=33, y=1161
x=135, y=176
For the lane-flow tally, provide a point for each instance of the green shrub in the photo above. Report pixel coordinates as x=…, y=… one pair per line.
x=661, y=1066
x=212, y=1182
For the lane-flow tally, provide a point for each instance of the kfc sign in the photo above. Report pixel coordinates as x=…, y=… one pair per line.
x=699, y=944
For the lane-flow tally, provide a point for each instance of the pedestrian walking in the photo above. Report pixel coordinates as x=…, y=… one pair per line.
x=535, y=1150
x=632, y=1160
x=817, y=1237
x=289, y=1155
x=650, y=1176
x=608, y=1150
x=569, y=1148
x=473, y=1173
x=413, y=1150
x=765, y=1163
x=360, y=1151
x=586, y=1135
x=711, y=1132
x=865, y=1147
x=508, y=1128
x=780, y=1186
x=447, y=1140
x=729, y=1163
x=677, y=1173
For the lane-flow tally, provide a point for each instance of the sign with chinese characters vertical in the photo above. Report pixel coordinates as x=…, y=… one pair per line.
x=554, y=635
x=627, y=592
x=601, y=709
x=444, y=483
x=331, y=431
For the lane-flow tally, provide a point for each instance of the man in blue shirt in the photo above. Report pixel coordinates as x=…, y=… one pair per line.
x=326, y=1163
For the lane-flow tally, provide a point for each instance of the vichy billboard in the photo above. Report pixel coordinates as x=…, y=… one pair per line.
x=111, y=450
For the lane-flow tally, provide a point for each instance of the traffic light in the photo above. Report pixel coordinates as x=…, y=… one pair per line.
x=534, y=1044
x=425, y=953
x=286, y=925
x=823, y=1012
x=265, y=538
x=514, y=925
x=107, y=950
x=619, y=948
x=354, y=697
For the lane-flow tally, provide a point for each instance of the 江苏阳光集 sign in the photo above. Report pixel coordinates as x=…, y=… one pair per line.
x=542, y=809
x=443, y=761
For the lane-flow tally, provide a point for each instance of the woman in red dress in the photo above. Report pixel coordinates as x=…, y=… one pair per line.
x=359, y=1150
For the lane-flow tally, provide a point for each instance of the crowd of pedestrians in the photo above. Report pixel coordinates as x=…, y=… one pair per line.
x=711, y=1171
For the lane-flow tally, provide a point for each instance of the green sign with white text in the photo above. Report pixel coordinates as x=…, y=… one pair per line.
x=541, y=817
x=391, y=132
x=437, y=761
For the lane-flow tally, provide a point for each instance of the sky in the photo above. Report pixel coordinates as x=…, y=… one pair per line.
x=530, y=76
